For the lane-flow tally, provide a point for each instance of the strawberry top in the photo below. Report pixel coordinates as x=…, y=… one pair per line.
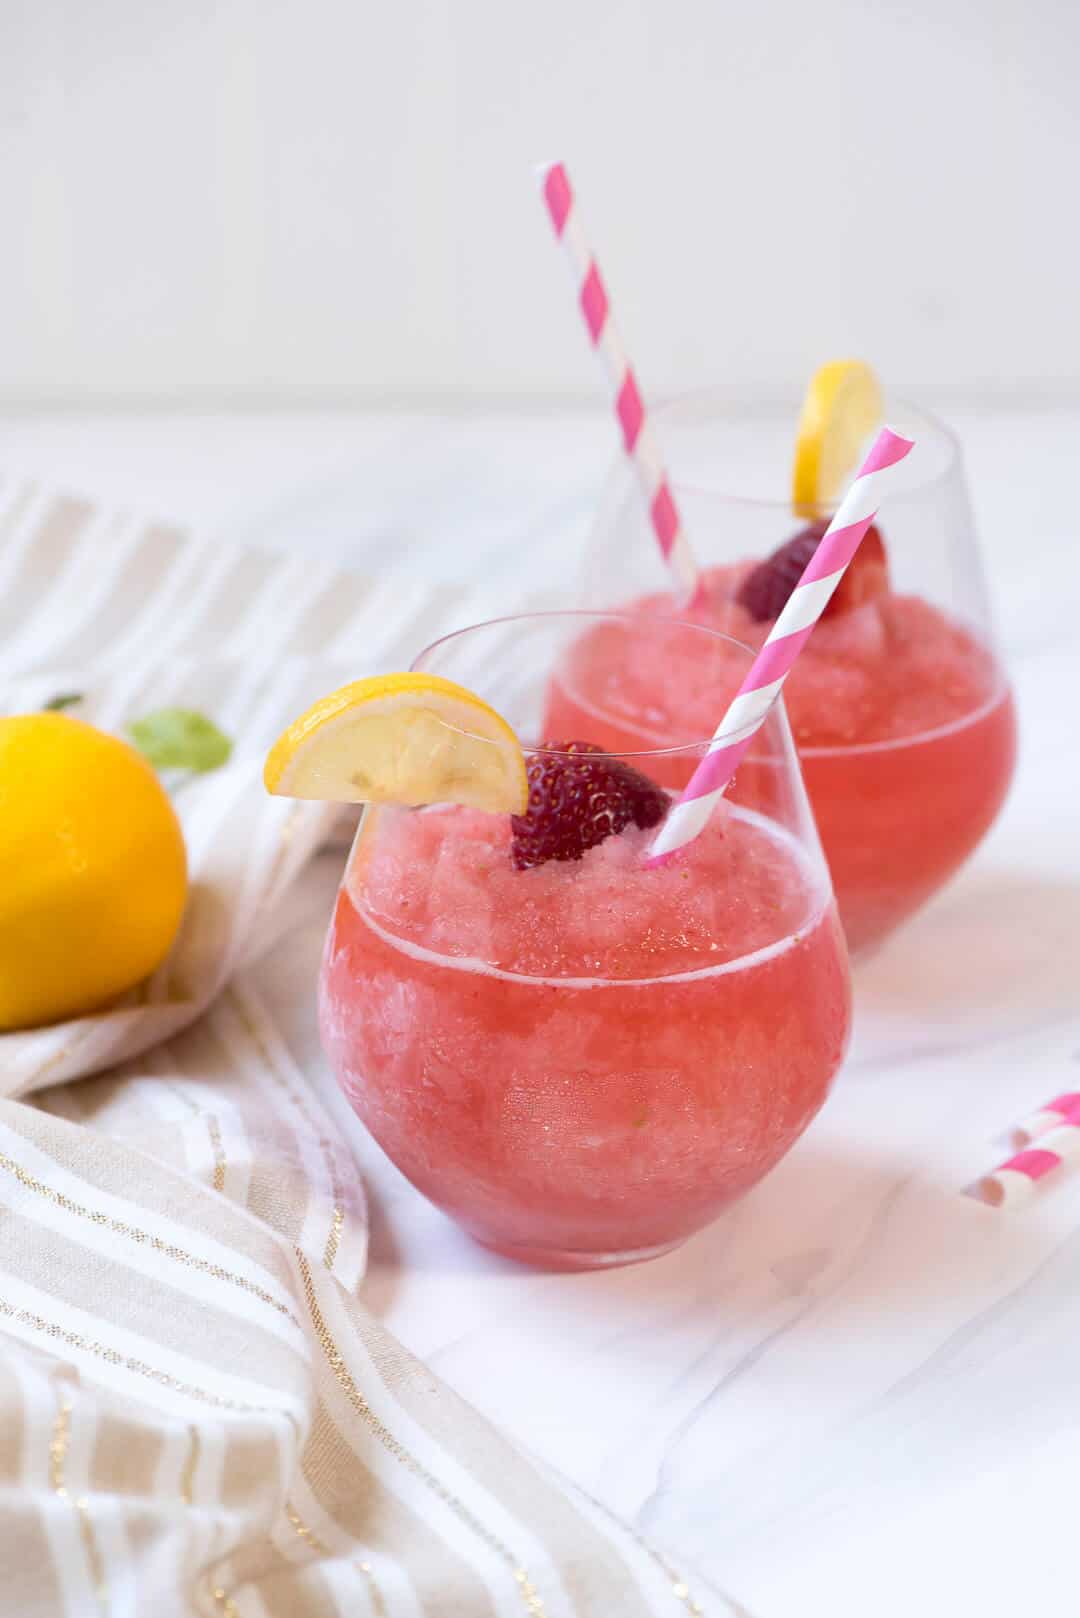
x=578, y=795
x=766, y=589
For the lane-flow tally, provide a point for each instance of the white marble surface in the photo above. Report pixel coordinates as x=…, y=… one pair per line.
x=858, y=1392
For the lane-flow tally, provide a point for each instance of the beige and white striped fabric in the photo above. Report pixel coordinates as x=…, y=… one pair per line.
x=197, y=1416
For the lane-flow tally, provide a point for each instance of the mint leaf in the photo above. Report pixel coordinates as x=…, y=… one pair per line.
x=180, y=739
x=67, y=699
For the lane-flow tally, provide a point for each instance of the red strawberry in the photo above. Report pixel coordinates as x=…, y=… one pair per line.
x=867, y=576
x=577, y=797
x=765, y=591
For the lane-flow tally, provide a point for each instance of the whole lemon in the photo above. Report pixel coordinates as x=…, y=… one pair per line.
x=93, y=872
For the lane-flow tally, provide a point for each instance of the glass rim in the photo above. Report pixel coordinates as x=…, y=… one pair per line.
x=666, y=409
x=696, y=746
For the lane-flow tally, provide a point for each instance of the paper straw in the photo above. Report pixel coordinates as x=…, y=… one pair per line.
x=1063, y=1109
x=1013, y=1182
x=637, y=432
x=789, y=635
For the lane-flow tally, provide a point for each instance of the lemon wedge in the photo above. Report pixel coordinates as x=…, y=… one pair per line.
x=843, y=405
x=401, y=738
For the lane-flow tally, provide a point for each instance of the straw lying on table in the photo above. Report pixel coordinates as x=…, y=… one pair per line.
x=791, y=631
x=1062, y=1109
x=1049, y=1137
x=638, y=435
x=1013, y=1182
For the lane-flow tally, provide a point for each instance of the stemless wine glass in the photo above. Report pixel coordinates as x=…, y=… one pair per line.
x=900, y=709
x=584, y=1061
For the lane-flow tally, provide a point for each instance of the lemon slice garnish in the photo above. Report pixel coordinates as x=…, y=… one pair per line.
x=401, y=738
x=843, y=405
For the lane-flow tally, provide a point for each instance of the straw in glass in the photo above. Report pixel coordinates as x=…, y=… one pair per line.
x=637, y=431
x=770, y=668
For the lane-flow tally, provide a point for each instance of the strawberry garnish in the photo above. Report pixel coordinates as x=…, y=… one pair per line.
x=867, y=576
x=765, y=591
x=578, y=795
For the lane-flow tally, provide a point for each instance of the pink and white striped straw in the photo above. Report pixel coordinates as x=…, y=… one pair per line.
x=789, y=635
x=1013, y=1182
x=637, y=432
x=1063, y=1109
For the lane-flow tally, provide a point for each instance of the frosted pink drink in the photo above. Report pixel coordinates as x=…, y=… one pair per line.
x=582, y=1058
x=902, y=717
x=584, y=1062
x=899, y=704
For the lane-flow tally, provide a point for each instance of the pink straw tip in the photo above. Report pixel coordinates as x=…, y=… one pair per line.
x=888, y=448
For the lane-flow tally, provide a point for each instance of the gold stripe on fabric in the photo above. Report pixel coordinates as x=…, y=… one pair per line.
x=443, y=1573
x=54, y=1061
x=12, y=1421
x=58, y=1448
x=377, y=1602
x=309, y=1537
x=274, y=1197
x=213, y=1132
x=148, y=1313
x=237, y=1353
x=307, y=1534
x=143, y=1237
x=191, y=1461
x=277, y=1190
x=589, y=1559
x=93, y=1553
x=112, y=1356
x=530, y=1596
x=307, y=1113
x=162, y=1190
x=213, y=1129
x=679, y=1587
x=333, y=1241
x=294, y=1093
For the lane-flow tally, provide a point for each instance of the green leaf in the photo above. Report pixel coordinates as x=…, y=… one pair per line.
x=180, y=739
x=67, y=699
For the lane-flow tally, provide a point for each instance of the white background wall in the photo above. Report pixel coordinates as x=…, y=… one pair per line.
x=322, y=199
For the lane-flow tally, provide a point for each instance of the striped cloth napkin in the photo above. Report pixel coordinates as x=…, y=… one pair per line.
x=197, y=1415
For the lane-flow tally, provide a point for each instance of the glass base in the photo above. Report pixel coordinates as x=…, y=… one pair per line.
x=553, y=1258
